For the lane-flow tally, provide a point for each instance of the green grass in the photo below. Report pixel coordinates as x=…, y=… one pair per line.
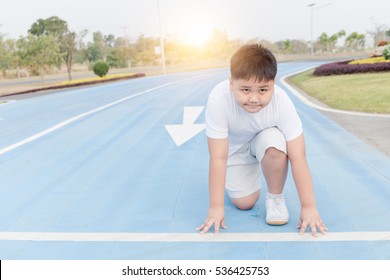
x=355, y=92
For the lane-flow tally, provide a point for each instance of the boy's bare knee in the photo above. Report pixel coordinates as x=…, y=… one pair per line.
x=275, y=154
x=247, y=202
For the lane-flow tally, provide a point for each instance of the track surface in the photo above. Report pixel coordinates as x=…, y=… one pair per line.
x=93, y=173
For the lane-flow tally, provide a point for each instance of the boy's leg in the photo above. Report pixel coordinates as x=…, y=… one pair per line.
x=274, y=166
x=270, y=148
x=246, y=202
x=243, y=185
x=243, y=178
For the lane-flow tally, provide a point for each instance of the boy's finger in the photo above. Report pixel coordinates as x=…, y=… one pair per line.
x=299, y=225
x=323, y=228
x=206, y=227
x=313, y=230
x=216, y=228
x=200, y=227
x=303, y=229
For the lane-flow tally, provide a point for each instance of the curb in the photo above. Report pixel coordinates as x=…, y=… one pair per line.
x=320, y=107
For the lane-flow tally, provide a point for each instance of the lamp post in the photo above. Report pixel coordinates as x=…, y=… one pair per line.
x=312, y=8
x=311, y=28
x=161, y=39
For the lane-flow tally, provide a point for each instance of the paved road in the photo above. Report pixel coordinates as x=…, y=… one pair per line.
x=93, y=173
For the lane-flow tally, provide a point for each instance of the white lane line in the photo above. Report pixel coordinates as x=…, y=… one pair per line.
x=193, y=237
x=322, y=108
x=76, y=118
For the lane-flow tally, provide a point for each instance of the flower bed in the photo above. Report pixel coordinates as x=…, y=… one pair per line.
x=108, y=78
x=344, y=67
x=81, y=82
x=371, y=60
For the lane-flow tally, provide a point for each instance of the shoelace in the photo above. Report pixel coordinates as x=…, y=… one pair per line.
x=277, y=204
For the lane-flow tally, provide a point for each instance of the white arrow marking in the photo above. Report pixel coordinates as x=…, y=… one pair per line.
x=181, y=133
x=191, y=114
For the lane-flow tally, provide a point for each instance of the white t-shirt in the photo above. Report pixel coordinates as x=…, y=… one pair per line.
x=225, y=118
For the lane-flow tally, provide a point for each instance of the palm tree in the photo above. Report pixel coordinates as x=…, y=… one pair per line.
x=355, y=41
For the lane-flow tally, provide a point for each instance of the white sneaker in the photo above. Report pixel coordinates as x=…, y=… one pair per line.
x=277, y=213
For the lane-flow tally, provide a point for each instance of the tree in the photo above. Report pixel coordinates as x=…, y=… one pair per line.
x=287, y=45
x=378, y=34
x=125, y=52
x=355, y=41
x=220, y=47
x=68, y=48
x=114, y=60
x=81, y=55
x=50, y=26
x=7, y=54
x=334, y=38
x=274, y=47
x=145, y=50
x=299, y=47
x=100, y=47
x=65, y=39
x=328, y=43
x=323, y=41
x=39, y=53
x=109, y=40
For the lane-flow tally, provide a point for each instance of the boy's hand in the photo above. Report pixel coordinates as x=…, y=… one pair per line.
x=216, y=218
x=310, y=218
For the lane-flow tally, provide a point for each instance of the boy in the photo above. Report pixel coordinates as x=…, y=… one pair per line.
x=252, y=125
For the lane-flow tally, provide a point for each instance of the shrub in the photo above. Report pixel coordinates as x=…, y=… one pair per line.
x=100, y=68
x=339, y=68
x=386, y=52
x=382, y=43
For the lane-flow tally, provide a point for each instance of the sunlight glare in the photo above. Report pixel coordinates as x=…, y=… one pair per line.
x=197, y=33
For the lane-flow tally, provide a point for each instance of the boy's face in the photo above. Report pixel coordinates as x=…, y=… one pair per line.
x=252, y=95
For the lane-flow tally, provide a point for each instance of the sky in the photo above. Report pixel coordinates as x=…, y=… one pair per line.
x=193, y=21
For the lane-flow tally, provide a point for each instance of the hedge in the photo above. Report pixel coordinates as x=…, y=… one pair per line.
x=342, y=67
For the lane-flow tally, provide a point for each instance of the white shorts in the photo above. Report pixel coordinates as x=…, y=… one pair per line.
x=243, y=167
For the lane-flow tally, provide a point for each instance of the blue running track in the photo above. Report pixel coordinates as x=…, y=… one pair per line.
x=92, y=173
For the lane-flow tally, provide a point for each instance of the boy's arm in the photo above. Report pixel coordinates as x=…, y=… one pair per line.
x=218, y=149
x=300, y=170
